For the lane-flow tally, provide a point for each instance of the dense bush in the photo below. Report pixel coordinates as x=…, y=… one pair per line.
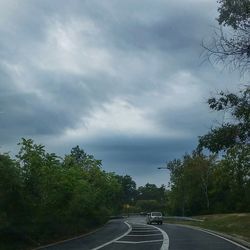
x=44, y=197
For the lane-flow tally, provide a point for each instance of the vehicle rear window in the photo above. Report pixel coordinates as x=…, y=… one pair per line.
x=156, y=214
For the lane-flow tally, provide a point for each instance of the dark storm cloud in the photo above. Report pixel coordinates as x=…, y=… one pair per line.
x=168, y=34
x=134, y=150
x=63, y=100
x=123, y=79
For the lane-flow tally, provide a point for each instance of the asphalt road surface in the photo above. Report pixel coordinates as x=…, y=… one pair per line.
x=134, y=234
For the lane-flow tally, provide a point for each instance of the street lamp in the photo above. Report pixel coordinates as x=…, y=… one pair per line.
x=162, y=168
x=165, y=168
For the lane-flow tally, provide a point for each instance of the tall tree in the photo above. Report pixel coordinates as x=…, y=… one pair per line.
x=151, y=192
x=231, y=43
x=237, y=129
x=128, y=187
x=80, y=158
x=191, y=183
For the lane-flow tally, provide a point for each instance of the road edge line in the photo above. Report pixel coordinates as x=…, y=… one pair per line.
x=225, y=237
x=109, y=242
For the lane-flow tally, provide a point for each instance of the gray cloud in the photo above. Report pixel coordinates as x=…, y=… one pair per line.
x=121, y=78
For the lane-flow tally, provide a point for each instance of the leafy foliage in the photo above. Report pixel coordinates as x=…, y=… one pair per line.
x=128, y=189
x=151, y=198
x=203, y=184
x=45, y=197
x=148, y=205
x=232, y=47
x=212, y=184
x=234, y=13
x=190, y=179
x=235, y=132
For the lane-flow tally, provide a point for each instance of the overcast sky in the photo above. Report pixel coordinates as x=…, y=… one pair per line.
x=122, y=79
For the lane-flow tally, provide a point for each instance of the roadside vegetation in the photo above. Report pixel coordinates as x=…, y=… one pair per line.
x=215, y=177
x=217, y=181
x=44, y=197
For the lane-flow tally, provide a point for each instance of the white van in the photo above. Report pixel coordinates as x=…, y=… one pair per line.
x=154, y=217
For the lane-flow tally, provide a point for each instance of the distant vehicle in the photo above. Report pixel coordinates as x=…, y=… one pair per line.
x=143, y=213
x=154, y=217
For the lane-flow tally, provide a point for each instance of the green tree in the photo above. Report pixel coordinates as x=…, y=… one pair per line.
x=177, y=185
x=148, y=205
x=150, y=197
x=236, y=164
x=45, y=197
x=232, y=46
x=12, y=204
x=78, y=157
x=234, y=13
x=237, y=131
x=151, y=192
x=128, y=189
x=190, y=182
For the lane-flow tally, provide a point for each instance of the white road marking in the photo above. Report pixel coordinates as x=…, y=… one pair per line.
x=219, y=236
x=137, y=242
x=109, y=242
x=165, y=243
x=165, y=240
x=144, y=235
x=144, y=231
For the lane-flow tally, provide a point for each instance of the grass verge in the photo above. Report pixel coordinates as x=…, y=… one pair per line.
x=235, y=225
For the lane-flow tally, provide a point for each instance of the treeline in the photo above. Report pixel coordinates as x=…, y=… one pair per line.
x=216, y=176
x=44, y=197
x=217, y=179
x=145, y=199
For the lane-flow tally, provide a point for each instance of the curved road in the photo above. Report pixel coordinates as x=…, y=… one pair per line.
x=135, y=234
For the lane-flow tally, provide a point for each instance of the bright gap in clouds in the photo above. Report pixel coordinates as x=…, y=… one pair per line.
x=120, y=117
x=72, y=46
